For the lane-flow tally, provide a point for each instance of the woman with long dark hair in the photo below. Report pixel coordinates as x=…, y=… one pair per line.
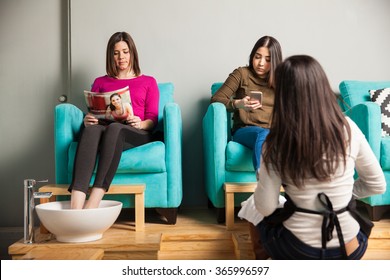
x=313, y=150
x=251, y=115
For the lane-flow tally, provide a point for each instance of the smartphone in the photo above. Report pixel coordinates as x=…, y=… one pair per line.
x=256, y=95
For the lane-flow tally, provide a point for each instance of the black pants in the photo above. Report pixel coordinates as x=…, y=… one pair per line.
x=107, y=142
x=282, y=244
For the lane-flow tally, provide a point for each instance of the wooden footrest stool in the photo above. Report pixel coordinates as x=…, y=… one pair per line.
x=136, y=189
x=230, y=190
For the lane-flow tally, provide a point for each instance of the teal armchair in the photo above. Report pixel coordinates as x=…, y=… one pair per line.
x=356, y=103
x=224, y=159
x=158, y=164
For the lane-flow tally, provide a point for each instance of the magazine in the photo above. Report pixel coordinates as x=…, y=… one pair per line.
x=108, y=107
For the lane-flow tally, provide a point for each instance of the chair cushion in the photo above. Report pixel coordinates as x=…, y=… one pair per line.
x=148, y=158
x=238, y=157
x=385, y=153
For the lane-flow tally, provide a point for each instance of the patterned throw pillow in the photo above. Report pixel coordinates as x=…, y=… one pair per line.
x=382, y=98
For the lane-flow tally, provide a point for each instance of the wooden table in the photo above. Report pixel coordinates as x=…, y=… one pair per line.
x=230, y=190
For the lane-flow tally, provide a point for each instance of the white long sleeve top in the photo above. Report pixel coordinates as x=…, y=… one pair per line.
x=307, y=227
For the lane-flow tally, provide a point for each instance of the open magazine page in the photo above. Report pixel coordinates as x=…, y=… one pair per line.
x=108, y=107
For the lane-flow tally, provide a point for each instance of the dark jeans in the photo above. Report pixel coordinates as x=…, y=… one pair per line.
x=107, y=142
x=252, y=137
x=281, y=244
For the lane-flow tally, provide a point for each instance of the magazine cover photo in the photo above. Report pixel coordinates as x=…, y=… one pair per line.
x=107, y=107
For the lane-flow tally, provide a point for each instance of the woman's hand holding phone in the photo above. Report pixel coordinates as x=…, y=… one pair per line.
x=256, y=95
x=248, y=104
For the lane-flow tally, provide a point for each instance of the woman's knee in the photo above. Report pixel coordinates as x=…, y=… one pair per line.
x=93, y=130
x=91, y=134
x=262, y=134
x=113, y=130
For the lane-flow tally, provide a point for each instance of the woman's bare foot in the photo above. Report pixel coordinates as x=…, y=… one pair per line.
x=77, y=199
x=95, y=198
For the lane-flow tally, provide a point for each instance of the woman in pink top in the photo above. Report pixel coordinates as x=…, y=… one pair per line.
x=109, y=141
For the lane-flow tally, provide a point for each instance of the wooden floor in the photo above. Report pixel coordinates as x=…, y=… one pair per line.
x=196, y=235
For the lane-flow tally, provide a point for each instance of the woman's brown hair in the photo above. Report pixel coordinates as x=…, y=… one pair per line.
x=111, y=69
x=275, y=52
x=309, y=133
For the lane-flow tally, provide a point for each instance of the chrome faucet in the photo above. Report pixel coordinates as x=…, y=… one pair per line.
x=29, y=205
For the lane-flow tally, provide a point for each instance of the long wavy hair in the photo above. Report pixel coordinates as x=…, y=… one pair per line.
x=275, y=52
x=111, y=68
x=308, y=133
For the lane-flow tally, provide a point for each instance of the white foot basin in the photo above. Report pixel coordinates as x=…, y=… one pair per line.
x=69, y=225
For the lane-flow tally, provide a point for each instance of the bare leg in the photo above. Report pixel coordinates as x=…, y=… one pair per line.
x=77, y=199
x=95, y=198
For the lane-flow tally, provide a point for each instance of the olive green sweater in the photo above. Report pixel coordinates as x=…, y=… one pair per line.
x=238, y=85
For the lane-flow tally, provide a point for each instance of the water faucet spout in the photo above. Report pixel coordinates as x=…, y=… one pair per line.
x=29, y=196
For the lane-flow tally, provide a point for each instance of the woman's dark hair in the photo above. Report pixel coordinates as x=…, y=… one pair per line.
x=112, y=107
x=275, y=52
x=111, y=69
x=309, y=134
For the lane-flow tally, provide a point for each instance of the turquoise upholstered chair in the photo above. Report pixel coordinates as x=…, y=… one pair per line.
x=157, y=164
x=224, y=160
x=367, y=115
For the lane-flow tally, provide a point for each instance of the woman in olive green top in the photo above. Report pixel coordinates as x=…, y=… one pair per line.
x=251, y=116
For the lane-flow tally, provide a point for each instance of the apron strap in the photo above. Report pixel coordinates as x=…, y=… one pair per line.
x=329, y=221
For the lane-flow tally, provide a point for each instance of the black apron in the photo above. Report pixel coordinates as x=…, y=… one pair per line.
x=330, y=219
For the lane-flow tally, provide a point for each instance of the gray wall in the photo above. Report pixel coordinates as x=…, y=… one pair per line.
x=189, y=43
x=33, y=71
